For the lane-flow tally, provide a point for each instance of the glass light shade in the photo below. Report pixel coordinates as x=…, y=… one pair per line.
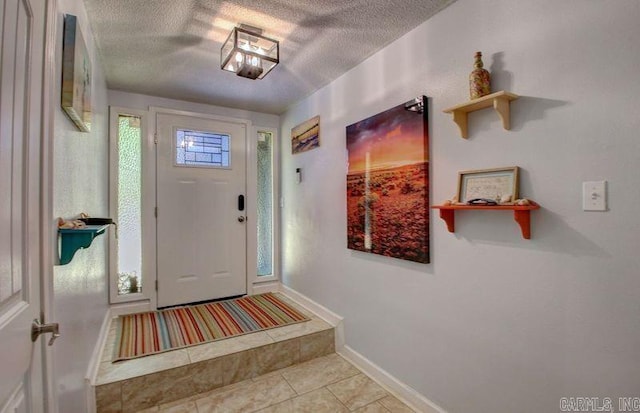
x=249, y=54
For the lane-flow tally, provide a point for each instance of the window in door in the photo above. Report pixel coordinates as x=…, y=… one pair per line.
x=204, y=149
x=265, y=203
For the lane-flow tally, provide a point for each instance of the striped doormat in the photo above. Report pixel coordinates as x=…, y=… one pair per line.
x=159, y=331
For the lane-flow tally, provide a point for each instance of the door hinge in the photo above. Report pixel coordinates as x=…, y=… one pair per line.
x=155, y=212
x=155, y=138
x=156, y=285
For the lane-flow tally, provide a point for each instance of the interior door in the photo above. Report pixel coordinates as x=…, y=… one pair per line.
x=201, y=215
x=22, y=31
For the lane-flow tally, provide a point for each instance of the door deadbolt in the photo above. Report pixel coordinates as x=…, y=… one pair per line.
x=241, y=218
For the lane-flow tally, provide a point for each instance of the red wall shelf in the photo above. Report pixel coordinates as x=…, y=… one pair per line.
x=521, y=213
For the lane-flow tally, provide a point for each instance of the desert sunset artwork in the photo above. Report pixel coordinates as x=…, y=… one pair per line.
x=388, y=185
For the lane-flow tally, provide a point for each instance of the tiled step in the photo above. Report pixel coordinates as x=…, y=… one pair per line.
x=134, y=385
x=327, y=384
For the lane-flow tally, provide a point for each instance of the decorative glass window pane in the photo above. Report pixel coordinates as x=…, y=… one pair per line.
x=129, y=215
x=265, y=203
x=194, y=148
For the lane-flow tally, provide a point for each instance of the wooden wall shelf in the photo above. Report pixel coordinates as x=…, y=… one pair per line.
x=500, y=102
x=71, y=240
x=521, y=213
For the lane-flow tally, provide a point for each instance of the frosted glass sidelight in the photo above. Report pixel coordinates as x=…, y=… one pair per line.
x=129, y=216
x=265, y=203
x=206, y=149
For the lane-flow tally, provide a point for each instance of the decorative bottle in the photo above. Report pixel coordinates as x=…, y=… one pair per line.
x=479, y=79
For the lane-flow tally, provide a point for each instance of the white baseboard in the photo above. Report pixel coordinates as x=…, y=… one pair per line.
x=94, y=363
x=319, y=310
x=131, y=308
x=403, y=392
x=265, y=287
x=90, y=396
x=96, y=355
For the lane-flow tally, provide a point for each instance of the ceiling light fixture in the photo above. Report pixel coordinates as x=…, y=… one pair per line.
x=247, y=53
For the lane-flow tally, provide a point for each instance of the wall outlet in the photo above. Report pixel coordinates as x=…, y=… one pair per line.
x=594, y=196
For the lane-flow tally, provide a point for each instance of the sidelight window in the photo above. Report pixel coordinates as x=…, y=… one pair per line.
x=265, y=203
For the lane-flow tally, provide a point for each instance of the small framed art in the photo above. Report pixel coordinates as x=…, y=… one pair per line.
x=498, y=184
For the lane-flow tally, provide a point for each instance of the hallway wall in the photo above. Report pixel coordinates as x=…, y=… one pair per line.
x=495, y=323
x=80, y=185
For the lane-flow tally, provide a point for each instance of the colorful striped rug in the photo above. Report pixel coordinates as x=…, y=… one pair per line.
x=158, y=331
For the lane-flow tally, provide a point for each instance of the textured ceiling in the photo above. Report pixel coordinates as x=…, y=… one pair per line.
x=171, y=48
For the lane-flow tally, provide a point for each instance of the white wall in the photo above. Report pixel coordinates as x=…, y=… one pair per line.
x=143, y=102
x=80, y=185
x=496, y=323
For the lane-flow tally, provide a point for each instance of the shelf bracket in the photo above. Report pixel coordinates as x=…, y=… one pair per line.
x=448, y=216
x=500, y=101
x=523, y=218
x=501, y=105
x=461, y=119
x=71, y=240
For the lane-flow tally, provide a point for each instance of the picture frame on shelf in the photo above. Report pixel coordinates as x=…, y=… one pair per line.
x=496, y=184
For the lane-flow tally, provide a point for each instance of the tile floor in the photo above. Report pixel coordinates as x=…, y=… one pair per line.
x=109, y=372
x=313, y=384
x=328, y=384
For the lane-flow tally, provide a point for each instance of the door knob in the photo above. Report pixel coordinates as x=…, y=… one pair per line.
x=241, y=218
x=37, y=328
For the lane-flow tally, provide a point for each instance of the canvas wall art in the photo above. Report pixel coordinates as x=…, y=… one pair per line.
x=388, y=184
x=306, y=136
x=76, y=75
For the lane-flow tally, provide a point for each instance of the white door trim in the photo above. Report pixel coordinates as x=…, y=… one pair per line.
x=250, y=180
x=252, y=195
x=49, y=241
x=148, y=203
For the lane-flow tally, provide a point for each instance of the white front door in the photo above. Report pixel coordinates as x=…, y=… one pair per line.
x=201, y=222
x=22, y=31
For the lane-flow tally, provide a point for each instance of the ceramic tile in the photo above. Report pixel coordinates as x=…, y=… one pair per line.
x=394, y=405
x=154, y=409
x=317, y=401
x=269, y=375
x=247, y=396
x=372, y=408
x=299, y=329
x=109, y=398
x=317, y=345
x=190, y=401
x=277, y=356
x=318, y=373
x=111, y=372
x=203, y=376
x=228, y=346
x=186, y=407
x=239, y=366
x=283, y=407
x=357, y=391
x=171, y=385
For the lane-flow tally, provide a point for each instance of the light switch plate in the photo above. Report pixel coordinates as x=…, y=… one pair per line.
x=594, y=196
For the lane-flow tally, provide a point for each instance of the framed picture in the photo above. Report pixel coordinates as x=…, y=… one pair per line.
x=495, y=184
x=306, y=136
x=388, y=183
x=76, y=75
